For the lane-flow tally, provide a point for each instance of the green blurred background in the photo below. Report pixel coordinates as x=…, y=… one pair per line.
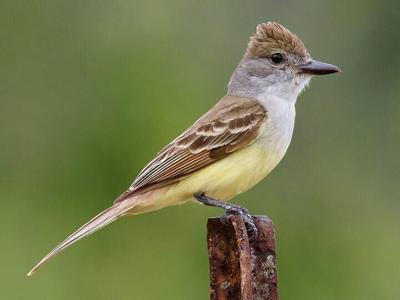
x=91, y=90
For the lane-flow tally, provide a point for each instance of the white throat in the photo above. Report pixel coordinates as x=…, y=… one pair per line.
x=279, y=101
x=286, y=91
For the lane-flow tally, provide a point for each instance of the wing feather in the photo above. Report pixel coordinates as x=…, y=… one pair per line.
x=229, y=126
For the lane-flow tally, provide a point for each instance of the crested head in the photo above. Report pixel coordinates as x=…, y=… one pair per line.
x=271, y=37
x=276, y=63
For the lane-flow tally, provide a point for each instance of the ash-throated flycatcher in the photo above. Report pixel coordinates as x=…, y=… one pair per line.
x=234, y=145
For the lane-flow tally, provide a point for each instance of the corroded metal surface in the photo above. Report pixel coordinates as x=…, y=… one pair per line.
x=241, y=269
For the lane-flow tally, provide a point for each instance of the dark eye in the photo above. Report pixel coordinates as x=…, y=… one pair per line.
x=277, y=58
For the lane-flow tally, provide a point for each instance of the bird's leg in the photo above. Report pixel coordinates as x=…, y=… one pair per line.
x=231, y=209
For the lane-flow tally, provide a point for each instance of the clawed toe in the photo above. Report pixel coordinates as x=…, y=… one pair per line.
x=250, y=226
x=247, y=219
x=251, y=229
x=231, y=210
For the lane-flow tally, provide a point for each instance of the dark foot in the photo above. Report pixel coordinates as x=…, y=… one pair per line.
x=247, y=219
x=231, y=209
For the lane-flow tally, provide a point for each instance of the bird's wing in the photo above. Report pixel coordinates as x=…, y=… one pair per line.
x=231, y=124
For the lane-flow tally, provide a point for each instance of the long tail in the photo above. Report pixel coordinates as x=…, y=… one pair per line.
x=102, y=219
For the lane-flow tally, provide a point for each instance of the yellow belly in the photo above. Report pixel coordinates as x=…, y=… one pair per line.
x=222, y=180
x=233, y=175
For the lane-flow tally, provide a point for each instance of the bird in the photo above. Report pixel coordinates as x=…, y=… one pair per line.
x=234, y=145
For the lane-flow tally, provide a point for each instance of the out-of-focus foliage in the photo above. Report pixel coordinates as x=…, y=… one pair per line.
x=91, y=90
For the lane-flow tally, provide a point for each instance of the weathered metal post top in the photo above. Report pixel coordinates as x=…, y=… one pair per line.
x=241, y=269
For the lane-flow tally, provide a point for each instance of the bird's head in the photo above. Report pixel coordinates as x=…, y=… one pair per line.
x=276, y=58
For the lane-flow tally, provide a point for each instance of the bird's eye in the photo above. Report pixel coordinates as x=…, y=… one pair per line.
x=277, y=58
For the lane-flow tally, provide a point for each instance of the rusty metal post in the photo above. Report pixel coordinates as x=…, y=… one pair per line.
x=241, y=269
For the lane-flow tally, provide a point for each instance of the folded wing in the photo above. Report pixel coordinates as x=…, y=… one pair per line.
x=230, y=125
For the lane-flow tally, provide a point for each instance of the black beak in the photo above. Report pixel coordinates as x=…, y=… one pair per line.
x=314, y=67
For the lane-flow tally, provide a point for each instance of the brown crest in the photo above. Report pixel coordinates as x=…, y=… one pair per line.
x=271, y=37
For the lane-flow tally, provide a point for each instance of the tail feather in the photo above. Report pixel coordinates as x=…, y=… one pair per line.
x=102, y=219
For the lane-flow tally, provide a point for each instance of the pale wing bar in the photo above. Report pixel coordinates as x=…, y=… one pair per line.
x=210, y=139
